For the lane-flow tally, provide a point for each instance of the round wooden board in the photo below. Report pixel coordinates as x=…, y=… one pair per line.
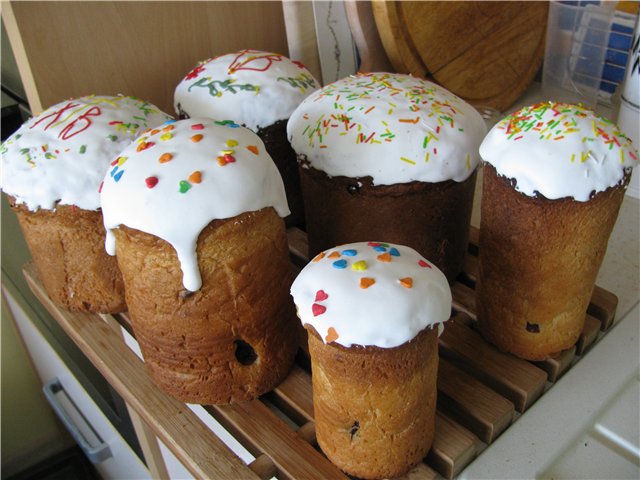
x=486, y=52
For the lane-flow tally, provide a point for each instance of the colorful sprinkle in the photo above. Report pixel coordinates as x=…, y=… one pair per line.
x=118, y=175
x=423, y=264
x=385, y=257
x=83, y=149
x=184, y=186
x=196, y=138
x=349, y=253
x=366, y=282
x=334, y=254
x=380, y=248
x=253, y=149
x=393, y=251
x=144, y=145
x=359, y=266
x=166, y=136
x=197, y=126
x=406, y=282
x=165, y=157
x=318, y=309
x=168, y=128
x=151, y=181
x=340, y=264
x=232, y=143
x=332, y=335
x=321, y=296
x=195, y=177
x=319, y=257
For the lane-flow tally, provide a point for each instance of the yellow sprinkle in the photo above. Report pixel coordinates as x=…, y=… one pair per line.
x=166, y=136
x=426, y=157
x=228, y=152
x=405, y=159
x=621, y=156
x=573, y=157
x=468, y=161
x=359, y=266
x=232, y=143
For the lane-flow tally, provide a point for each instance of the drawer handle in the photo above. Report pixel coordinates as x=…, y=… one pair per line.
x=96, y=450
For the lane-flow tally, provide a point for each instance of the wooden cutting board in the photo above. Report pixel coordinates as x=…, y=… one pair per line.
x=485, y=52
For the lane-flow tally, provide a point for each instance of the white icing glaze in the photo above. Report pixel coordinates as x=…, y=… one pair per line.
x=62, y=154
x=250, y=87
x=174, y=180
x=395, y=128
x=559, y=150
x=330, y=293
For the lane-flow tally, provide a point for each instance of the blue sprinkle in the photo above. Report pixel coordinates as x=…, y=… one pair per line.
x=113, y=172
x=169, y=122
x=340, y=264
x=118, y=175
x=349, y=253
x=380, y=248
x=394, y=251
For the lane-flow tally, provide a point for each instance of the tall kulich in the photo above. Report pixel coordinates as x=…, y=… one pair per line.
x=195, y=220
x=554, y=181
x=258, y=90
x=52, y=168
x=372, y=311
x=388, y=156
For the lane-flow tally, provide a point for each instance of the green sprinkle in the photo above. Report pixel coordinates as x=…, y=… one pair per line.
x=184, y=186
x=83, y=149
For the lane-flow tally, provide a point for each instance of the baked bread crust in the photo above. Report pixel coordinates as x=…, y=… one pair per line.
x=432, y=218
x=236, y=337
x=374, y=407
x=538, y=262
x=67, y=247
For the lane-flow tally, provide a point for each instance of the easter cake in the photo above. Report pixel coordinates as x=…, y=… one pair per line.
x=388, y=156
x=554, y=180
x=193, y=211
x=372, y=311
x=256, y=89
x=52, y=168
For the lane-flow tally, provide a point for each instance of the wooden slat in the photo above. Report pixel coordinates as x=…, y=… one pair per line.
x=298, y=246
x=603, y=307
x=201, y=452
x=557, y=364
x=482, y=410
x=589, y=334
x=420, y=471
x=453, y=447
x=295, y=392
x=518, y=380
x=256, y=426
x=464, y=299
x=263, y=467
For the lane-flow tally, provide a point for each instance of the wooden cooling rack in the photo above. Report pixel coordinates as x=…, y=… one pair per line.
x=481, y=392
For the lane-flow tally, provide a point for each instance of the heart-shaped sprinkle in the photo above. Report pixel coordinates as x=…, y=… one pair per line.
x=385, y=257
x=155, y=131
x=144, y=145
x=394, y=252
x=229, y=158
x=334, y=255
x=321, y=296
x=253, y=149
x=166, y=136
x=332, y=335
x=197, y=126
x=349, y=253
x=359, y=266
x=366, y=282
x=379, y=248
x=318, y=309
x=319, y=257
x=340, y=264
x=231, y=143
x=168, y=128
x=196, y=138
x=195, y=177
x=221, y=161
x=406, y=282
x=184, y=186
x=165, y=157
x=151, y=181
x=373, y=244
x=423, y=264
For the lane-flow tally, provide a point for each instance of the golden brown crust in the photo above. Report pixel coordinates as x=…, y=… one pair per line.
x=190, y=340
x=432, y=218
x=67, y=247
x=375, y=408
x=538, y=263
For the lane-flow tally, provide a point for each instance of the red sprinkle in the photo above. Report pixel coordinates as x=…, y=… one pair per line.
x=229, y=158
x=100, y=188
x=151, y=181
x=321, y=295
x=197, y=126
x=318, y=309
x=144, y=145
x=423, y=264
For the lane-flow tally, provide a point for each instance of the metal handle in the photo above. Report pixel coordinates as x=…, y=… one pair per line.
x=96, y=450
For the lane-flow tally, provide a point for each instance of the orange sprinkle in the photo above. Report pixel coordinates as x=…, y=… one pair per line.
x=195, y=177
x=334, y=255
x=153, y=132
x=253, y=149
x=319, y=257
x=409, y=120
x=406, y=282
x=168, y=128
x=165, y=157
x=332, y=335
x=366, y=282
x=196, y=138
x=221, y=161
x=385, y=257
